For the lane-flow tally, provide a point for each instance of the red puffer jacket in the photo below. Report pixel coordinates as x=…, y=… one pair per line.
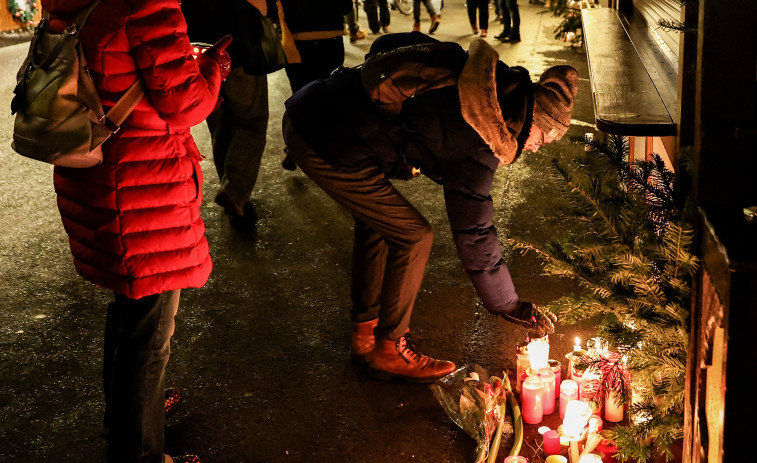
x=134, y=222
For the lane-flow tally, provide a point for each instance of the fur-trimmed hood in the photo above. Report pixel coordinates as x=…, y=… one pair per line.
x=496, y=101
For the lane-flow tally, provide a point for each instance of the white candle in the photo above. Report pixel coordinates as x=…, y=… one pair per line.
x=568, y=392
x=538, y=354
x=613, y=408
x=577, y=345
x=577, y=414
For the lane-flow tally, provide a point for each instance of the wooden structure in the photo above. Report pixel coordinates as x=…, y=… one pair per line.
x=10, y=23
x=696, y=90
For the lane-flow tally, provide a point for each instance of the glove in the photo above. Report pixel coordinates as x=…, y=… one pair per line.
x=218, y=53
x=532, y=317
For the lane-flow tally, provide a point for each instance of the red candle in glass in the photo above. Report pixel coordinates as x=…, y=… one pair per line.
x=551, y=442
x=531, y=397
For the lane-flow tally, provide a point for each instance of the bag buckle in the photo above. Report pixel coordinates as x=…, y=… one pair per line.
x=109, y=124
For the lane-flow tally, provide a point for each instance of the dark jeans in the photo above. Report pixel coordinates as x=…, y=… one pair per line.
x=319, y=59
x=137, y=346
x=417, y=9
x=510, y=15
x=392, y=239
x=378, y=15
x=483, y=13
x=238, y=132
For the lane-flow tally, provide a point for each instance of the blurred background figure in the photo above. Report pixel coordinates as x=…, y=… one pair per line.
x=378, y=15
x=238, y=127
x=480, y=8
x=435, y=17
x=316, y=47
x=353, y=24
x=510, y=20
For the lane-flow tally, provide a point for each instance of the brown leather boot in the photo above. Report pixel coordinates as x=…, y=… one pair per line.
x=363, y=342
x=399, y=359
x=435, y=20
x=417, y=26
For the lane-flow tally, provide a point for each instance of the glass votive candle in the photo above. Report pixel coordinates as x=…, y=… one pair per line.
x=595, y=424
x=516, y=459
x=548, y=402
x=557, y=370
x=613, y=408
x=568, y=392
x=531, y=397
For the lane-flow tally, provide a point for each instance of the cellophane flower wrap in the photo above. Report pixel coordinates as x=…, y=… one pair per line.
x=475, y=402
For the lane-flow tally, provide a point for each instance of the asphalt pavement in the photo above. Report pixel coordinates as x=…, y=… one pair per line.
x=261, y=352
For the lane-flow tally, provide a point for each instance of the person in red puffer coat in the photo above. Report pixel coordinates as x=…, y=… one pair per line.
x=134, y=222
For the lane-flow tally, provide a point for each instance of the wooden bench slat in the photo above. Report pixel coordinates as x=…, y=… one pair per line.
x=626, y=101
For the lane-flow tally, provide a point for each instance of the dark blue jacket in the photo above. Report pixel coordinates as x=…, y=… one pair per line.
x=338, y=120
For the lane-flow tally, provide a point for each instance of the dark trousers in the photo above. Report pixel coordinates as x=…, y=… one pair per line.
x=510, y=16
x=238, y=132
x=392, y=239
x=136, y=351
x=417, y=9
x=377, y=12
x=482, y=7
x=319, y=59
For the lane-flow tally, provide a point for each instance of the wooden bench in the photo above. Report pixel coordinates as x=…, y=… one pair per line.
x=634, y=89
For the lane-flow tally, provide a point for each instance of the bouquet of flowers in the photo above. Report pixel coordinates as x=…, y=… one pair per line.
x=477, y=402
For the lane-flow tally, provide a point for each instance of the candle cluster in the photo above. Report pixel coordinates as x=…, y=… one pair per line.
x=541, y=385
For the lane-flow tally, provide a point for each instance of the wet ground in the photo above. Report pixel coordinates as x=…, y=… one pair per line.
x=261, y=352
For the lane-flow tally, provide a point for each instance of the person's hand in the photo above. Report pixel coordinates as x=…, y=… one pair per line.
x=218, y=53
x=533, y=317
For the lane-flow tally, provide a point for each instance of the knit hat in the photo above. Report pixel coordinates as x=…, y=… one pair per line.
x=553, y=100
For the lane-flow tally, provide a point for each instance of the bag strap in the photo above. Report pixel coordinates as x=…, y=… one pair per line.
x=71, y=32
x=123, y=107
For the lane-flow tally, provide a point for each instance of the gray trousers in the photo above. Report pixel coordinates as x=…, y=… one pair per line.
x=392, y=239
x=238, y=132
x=137, y=346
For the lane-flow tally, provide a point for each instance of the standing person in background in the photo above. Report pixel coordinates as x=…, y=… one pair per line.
x=378, y=15
x=353, y=24
x=316, y=47
x=133, y=221
x=510, y=20
x=238, y=127
x=482, y=7
x=435, y=18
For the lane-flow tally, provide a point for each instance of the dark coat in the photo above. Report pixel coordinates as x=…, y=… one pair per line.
x=337, y=118
x=207, y=22
x=134, y=221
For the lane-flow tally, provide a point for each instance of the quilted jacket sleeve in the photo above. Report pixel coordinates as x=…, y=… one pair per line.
x=183, y=90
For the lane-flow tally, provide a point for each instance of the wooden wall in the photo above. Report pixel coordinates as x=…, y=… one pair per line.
x=10, y=23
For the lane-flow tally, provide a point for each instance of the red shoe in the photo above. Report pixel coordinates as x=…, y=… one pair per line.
x=181, y=459
x=363, y=341
x=399, y=360
x=172, y=399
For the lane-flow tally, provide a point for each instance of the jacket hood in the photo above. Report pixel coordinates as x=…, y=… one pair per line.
x=65, y=8
x=477, y=87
